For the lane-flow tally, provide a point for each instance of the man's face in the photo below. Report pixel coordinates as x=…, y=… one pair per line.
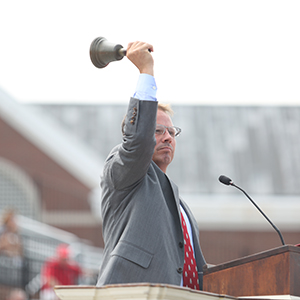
x=165, y=143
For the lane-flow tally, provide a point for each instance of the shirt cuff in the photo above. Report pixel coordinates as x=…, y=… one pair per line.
x=146, y=88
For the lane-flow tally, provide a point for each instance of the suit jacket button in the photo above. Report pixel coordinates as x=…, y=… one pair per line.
x=181, y=244
x=179, y=270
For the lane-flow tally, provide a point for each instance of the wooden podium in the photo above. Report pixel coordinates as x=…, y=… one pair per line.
x=273, y=272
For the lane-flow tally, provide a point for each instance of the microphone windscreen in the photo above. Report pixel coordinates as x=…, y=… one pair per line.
x=225, y=180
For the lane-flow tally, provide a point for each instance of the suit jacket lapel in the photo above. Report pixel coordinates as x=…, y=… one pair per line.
x=176, y=195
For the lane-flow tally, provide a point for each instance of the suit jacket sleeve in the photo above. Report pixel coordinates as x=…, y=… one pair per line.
x=128, y=163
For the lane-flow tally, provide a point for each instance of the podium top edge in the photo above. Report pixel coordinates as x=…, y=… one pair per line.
x=249, y=258
x=90, y=288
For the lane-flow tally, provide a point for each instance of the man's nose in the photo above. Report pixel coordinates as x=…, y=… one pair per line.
x=167, y=135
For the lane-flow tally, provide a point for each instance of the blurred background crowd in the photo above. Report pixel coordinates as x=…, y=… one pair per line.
x=28, y=272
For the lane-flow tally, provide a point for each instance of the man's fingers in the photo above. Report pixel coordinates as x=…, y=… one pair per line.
x=139, y=53
x=139, y=46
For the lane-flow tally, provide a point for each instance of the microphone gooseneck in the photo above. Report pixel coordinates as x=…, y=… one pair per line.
x=227, y=181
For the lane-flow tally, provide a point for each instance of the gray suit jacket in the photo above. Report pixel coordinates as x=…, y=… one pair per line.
x=140, y=209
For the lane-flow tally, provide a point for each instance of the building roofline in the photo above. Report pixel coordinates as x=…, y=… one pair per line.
x=37, y=127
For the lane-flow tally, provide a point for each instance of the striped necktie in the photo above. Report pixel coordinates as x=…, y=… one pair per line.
x=190, y=274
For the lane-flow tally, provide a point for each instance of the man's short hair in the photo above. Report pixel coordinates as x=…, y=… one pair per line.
x=166, y=108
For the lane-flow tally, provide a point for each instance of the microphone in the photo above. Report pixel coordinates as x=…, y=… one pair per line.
x=227, y=181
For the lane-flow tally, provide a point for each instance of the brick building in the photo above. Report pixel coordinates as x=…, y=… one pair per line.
x=46, y=174
x=257, y=146
x=54, y=153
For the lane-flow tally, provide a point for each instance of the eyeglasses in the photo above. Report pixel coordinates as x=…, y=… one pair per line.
x=173, y=130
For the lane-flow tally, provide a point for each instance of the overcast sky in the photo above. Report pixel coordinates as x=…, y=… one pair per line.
x=206, y=52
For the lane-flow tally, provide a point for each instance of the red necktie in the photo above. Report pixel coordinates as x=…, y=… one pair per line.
x=190, y=274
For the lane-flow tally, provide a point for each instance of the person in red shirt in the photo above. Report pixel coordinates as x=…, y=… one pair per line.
x=59, y=270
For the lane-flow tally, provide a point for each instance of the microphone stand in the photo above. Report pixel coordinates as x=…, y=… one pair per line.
x=273, y=225
x=227, y=181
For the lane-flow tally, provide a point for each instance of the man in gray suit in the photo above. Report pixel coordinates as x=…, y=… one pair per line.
x=141, y=207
